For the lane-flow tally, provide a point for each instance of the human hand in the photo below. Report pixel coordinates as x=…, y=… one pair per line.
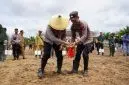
x=77, y=42
x=73, y=44
x=66, y=43
x=61, y=47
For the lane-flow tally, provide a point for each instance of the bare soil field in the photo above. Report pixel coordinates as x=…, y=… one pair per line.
x=103, y=70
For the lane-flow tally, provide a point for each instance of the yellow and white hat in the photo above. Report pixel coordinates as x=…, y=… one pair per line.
x=59, y=22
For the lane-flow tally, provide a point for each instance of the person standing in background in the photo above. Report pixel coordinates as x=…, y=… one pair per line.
x=126, y=43
x=22, y=43
x=39, y=42
x=5, y=42
x=111, y=44
x=15, y=41
x=3, y=37
x=100, y=43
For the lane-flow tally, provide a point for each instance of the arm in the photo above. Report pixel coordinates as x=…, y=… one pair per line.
x=51, y=36
x=86, y=34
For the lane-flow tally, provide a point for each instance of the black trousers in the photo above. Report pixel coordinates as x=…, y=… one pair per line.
x=99, y=45
x=16, y=50
x=47, y=53
x=82, y=49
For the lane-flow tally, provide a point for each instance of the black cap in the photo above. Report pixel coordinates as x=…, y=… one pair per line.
x=21, y=31
x=16, y=29
x=73, y=14
x=40, y=31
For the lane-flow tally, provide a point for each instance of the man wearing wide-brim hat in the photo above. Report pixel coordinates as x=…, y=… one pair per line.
x=54, y=37
x=39, y=41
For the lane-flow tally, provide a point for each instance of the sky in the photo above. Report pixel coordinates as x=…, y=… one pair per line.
x=34, y=15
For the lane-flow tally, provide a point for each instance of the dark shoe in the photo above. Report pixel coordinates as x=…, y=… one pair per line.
x=59, y=71
x=14, y=59
x=39, y=57
x=17, y=57
x=102, y=53
x=40, y=73
x=75, y=67
x=35, y=56
x=73, y=72
x=98, y=53
x=85, y=73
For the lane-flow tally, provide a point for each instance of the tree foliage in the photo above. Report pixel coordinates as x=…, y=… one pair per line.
x=119, y=34
x=106, y=35
x=123, y=31
x=29, y=40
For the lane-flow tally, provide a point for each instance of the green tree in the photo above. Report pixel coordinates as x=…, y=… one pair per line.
x=106, y=35
x=29, y=40
x=123, y=31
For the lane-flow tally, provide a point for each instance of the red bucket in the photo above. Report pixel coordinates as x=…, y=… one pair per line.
x=71, y=52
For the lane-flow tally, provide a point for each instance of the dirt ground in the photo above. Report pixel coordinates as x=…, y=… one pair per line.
x=103, y=70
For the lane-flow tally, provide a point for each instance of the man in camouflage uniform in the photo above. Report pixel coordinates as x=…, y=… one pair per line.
x=112, y=44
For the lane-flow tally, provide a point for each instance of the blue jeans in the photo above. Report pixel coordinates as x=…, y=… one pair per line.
x=126, y=48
